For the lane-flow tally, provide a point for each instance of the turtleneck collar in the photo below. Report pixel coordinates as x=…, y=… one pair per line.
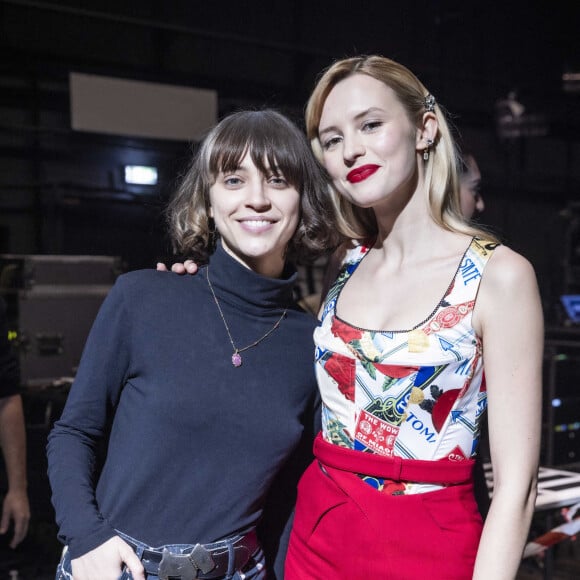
x=240, y=286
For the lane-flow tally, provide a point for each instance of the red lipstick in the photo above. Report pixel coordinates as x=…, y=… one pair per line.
x=361, y=173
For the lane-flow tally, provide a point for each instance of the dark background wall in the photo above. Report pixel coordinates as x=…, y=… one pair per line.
x=60, y=190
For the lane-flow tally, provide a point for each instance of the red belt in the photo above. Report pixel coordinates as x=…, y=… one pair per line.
x=441, y=471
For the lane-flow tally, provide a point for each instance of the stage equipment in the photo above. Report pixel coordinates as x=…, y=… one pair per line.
x=52, y=302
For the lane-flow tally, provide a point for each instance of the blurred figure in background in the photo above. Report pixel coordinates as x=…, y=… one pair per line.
x=472, y=204
x=471, y=199
x=15, y=506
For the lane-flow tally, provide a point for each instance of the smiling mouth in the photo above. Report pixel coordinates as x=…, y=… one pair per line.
x=257, y=222
x=361, y=173
x=256, y=225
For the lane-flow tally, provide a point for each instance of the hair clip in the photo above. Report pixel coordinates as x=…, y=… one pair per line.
x=430, y=103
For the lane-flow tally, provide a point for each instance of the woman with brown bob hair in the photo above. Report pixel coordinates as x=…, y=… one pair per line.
x=422, y=301
x=198, y=417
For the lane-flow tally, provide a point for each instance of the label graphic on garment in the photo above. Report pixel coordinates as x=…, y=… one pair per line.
x=377, y=435
x=456, y=454
x=469, y=271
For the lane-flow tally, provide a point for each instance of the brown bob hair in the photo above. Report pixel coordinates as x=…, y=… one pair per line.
x=273, y=142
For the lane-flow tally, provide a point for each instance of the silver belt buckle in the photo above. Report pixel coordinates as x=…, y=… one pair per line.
x=185, y=566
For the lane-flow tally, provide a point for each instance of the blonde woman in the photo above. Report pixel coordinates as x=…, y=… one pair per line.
x=422, y=303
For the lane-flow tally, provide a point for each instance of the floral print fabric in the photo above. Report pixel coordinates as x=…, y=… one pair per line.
x=416, y=394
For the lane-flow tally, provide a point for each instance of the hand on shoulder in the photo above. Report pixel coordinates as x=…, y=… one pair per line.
x=186, y=267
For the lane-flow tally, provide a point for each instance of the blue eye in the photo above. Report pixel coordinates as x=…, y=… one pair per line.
x=371, y=125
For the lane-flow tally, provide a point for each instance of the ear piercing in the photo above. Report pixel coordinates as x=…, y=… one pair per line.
x=427, y=150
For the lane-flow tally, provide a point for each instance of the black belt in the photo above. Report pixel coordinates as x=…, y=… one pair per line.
x=203, y=561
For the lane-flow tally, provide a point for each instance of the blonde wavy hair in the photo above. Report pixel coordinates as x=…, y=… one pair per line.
x=441, y=175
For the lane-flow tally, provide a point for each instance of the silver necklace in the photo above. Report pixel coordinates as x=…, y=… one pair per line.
x=236, y=356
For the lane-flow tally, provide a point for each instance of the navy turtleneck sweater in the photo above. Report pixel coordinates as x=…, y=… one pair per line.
x=161, y=436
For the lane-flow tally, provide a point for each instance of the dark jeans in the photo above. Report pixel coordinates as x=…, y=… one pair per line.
x=254, y=570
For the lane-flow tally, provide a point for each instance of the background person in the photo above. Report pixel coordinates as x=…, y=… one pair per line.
x=15, y=506
x=471, y=199
x=472, y=204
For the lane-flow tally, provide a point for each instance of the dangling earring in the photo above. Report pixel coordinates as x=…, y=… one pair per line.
x=427, y=150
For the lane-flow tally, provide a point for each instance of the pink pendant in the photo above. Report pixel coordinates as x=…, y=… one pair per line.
x=236, y=359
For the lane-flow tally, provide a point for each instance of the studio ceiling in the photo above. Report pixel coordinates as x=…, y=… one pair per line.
x=468, y=53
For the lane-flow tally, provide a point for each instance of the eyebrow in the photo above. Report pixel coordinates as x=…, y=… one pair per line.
x=233, y=169
x=357, y=117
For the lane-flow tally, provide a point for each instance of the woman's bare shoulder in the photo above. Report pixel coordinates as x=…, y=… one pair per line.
x=508, y=290
x=507, y=270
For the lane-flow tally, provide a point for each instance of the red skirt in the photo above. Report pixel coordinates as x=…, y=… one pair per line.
x=344, y=528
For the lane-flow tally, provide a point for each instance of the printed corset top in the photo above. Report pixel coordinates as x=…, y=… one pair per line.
x=416, y=394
